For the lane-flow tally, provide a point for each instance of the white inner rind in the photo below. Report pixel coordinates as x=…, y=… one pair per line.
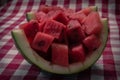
x=30, y=55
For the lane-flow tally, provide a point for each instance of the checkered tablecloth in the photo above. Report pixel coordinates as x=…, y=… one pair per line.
x=14, y=67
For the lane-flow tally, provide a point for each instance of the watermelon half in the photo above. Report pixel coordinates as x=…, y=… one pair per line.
x=30, y=55
x=62, y=42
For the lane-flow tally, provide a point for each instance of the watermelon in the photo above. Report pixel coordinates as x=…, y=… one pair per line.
x=30, y=29
x=93, y=26
x=68, y=11
x=53, y=28
x=58, y=47
x=75, y=35
x=92, y=42
x=88, y=10
x=60, y=54
x=30, y=16
x=40, y=16
x=61, y=18
x=73, y=23
x=42, y=41
x=79, y=16
x=46, y=8
x=77, y=54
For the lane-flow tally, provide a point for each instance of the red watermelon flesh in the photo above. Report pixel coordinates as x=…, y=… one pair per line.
x=62, y=39
x=23, y=25
x=60, y=54
x=41, y=26
x=92, y=42
x=68, y=12
x=93, y=24
x=46, y=55
x=57, y=15
x=77, y=54
x=46, y=8
x=53, y=28
x=30, y=29
x=79, y=16
x=73, y=23
x=75, y=35
x=40, y=16
x=42, y=41
x=61, y=18
x=86, y=11
x=51, y=15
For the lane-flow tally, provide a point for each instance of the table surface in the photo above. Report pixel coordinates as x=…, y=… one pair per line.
x=13, y=66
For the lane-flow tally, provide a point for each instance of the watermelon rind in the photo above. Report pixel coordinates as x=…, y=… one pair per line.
x=31, y=56
x=94, y=8
x=30, y=16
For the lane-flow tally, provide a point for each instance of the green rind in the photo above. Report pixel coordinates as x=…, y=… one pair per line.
x=31, y=56
x=94, y=8
x=30, y=16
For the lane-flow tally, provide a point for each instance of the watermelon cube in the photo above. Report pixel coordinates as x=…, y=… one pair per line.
x=46, y=8
x=53, y=28
x=68, y=12
x=60, y=17
x=92, y=42
x=79, y=16
x=42, y=41
x=75, y=35
x=62, y=39
x=57, y=15
x=86, y=11
x=40, y=16
x=41, y=25
x=30, y=29
x=77, y=54
x=73, y=23
x=60, y=54
x=93, y=24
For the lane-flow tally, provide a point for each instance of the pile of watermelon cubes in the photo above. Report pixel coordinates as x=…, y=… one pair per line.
x=63, y=36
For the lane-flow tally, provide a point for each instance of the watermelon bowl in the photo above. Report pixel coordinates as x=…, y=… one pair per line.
x=60, y=40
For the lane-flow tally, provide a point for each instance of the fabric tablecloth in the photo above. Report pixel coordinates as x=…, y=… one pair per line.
x=14, y=67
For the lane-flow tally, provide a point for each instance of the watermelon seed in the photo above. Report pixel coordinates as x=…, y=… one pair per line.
x=41, y=43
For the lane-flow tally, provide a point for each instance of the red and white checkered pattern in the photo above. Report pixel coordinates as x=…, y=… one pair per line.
x=14, y=67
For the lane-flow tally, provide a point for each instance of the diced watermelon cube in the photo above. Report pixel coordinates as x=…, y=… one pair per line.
x=46, y=8
x=57, y=15
x=41, y=26
x=86, y=11
x=93, y=24
x=40, y=16
x=75, y=35
x=60, y=54
x=61, y=18
x=62, y=39
x=92, y=42
x=77, y=54
x=68, y=12
x=52, y=14
x=79, y=16
x=30, y=29
x=42, y=41
x=73, y=23
x=46, y=55
x=21, y=26
x=53, y=28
